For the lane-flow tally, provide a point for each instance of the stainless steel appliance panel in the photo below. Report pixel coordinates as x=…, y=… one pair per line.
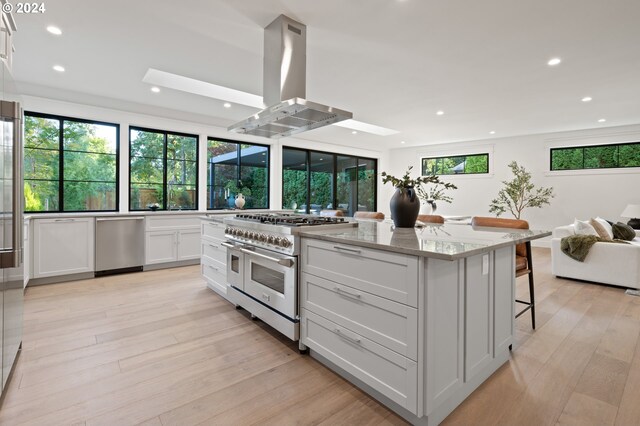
x=11, y=259
x=119, y=243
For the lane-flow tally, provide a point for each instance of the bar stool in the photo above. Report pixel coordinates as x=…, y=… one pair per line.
x=368, y=215
x=332, y=213
x=524, y=265
x=430, y=218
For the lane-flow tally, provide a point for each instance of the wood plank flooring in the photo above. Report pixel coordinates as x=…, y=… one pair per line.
x=159, y=348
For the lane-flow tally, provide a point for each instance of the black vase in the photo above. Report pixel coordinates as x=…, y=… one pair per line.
x=405, y=206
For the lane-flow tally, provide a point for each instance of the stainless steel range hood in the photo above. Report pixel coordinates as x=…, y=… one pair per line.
x=284, y=87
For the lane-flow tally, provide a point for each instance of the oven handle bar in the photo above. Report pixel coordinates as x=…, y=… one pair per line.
x=231, y=246
x=284, y=262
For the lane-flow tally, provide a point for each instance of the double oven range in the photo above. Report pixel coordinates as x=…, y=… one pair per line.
x=262, y=264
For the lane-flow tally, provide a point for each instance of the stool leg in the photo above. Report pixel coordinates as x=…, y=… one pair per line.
x=532, y=297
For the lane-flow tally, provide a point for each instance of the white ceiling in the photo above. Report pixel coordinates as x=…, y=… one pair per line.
x=392, y=63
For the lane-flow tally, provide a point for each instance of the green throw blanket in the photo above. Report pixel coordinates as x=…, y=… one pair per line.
x=577, y=246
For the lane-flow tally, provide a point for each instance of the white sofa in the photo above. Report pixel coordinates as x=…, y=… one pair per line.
x=607, y=263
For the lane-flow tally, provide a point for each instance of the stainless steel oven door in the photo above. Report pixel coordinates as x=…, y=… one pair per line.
x=272, y=279
x=235, y=265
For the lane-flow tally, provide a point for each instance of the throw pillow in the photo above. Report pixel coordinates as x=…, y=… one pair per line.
x=583, y=227
x=622, y=231
x=602, y=232
x=606, y=225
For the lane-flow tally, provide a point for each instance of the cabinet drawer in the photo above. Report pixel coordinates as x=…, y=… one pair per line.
x=215, y=273
x=388, y=323
x=165, y=222
x=384, y=370
x=383, y=273
x=212, y=249
x=213, y=229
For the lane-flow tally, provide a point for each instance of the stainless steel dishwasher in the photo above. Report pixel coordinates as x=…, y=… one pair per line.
x=119, y=244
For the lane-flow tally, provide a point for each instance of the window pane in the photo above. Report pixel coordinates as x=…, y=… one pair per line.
x=41, y=132
x=321, y=179
x=182, y=197
x=41, y=196
x=80, y=196
x=347, y=178
x=455, y=165
x=146, y=170
x=182, y=147
x=143, y=195
x=600, y=157
x=146, y=144
x=89, y=137
x=222, y=173
x=254, y=175
x=629, y=155
x=89, y=167
x=567, y=159
x=294, y=179
x=476, y=164
x=41, y=164
x=181, y=172
x=366, y=184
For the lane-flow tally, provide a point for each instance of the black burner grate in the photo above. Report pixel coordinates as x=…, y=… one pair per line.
x=290, y=219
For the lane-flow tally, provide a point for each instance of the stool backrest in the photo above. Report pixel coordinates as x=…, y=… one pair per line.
x=333, y=213
x=369, y=215
x=430, y=218
x=496, y=222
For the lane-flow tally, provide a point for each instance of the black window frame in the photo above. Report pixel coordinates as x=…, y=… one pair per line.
x=165, y=198
x=239, y=169
x=61, y=150
x=423, y=160
x=335, y=155
x=582, y=147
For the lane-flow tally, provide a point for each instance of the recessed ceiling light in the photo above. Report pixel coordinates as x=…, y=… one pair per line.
x=587, y=99
x=353, y=132
x=440, y=113
x=554, y=61
x=402, y=141
x=493, y=132
x=155, y=89
x=227, y=105
x=602, y=120
x=58, y=68
x=54, y=30
x=322, y=159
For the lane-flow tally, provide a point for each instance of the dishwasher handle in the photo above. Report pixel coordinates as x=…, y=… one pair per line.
x=108, y=219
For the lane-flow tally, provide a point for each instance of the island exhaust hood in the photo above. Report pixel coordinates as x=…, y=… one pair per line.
x=284, y=87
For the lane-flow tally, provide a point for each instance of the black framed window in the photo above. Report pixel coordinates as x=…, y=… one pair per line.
x=612, y=156
x=236, y=167
x=456, y=165
x=163, y=170
x=70, y=164
x=313, y=181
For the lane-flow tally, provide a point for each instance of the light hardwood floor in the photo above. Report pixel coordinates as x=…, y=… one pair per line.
x=158, y=348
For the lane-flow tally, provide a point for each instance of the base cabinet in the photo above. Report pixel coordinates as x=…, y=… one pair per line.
x=214, y=256
x=63, y=246
x=171, y=239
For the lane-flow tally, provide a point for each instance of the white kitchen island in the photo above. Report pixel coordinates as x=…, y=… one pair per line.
x=418, y=318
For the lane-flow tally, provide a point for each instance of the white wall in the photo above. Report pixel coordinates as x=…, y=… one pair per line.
x=126, y=118
x=581, y=194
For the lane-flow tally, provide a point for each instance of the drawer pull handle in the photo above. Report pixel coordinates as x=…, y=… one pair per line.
x=65, y=220
x=350, y=250
x=347, y=293
x=214, y=268
x=266, y=297
x=214, y=246
x=351, y=339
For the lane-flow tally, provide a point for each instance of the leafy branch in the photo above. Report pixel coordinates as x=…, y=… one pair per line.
x=519, y=194
x=407, y=181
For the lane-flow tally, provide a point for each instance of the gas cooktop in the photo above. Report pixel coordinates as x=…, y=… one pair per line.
x=286, y=219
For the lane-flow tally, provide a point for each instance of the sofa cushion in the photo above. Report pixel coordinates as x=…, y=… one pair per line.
x=622, y=231
x=601, y=230
x=583, y=228
x=606, y=225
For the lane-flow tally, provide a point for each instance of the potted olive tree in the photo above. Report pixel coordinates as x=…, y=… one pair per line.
x=519, y=194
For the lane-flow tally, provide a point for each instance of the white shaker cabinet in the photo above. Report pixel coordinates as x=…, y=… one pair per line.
x=63, y=246
x=172, y=239
x=214, y=256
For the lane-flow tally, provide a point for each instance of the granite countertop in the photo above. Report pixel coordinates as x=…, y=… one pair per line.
x=449, y=241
